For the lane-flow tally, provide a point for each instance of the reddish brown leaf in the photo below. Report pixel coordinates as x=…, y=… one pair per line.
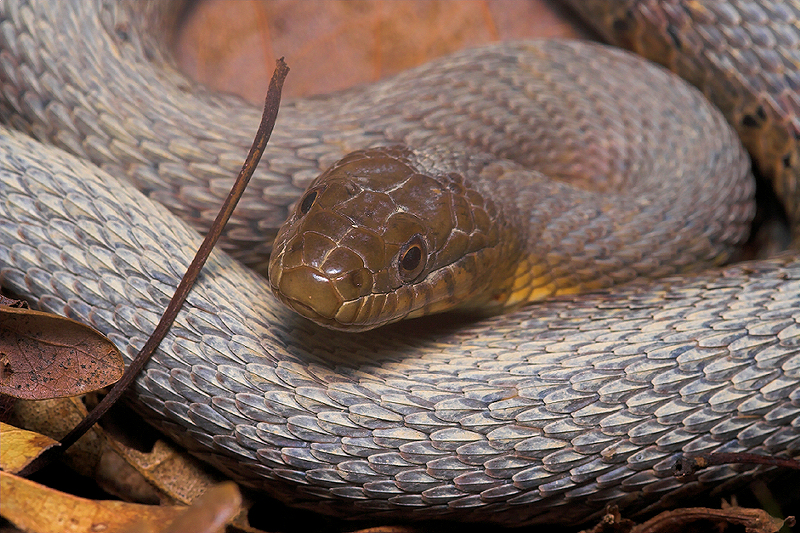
x=231, y=46
x=210, y=512
x=48, y=356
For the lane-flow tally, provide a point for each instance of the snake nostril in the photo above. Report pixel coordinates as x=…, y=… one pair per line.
x=296, y=245
x=355, y=284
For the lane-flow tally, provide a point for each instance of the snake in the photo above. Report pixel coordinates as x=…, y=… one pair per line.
x=540, y=413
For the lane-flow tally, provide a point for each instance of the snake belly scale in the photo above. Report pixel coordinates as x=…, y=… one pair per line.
x=544, y=414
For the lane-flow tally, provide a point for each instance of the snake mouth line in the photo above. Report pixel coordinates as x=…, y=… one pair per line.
x=306, y=311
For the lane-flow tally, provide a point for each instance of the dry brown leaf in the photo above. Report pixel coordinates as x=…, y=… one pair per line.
x=92, y=456
x=166, y=474
x=177, y=476
x=117, y=476
x=169, y=469
x=331, y=45
x=48, y=356
x=211, y=511
x=34, y=507
x=18, y=447
x=55, y=418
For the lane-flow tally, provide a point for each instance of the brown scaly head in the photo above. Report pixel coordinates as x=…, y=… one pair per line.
x=387, y=234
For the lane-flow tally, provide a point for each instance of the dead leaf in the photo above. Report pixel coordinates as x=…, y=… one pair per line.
x=211, y=511
x=166, y=474
x=18, y=447
x=92, y=456
x=34, y=507
x=331, y=45
x=169, y=469
x=55, y=418
x=117, y=476
x=48, y=356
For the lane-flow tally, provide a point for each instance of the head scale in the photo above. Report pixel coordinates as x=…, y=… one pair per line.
x=382, y=235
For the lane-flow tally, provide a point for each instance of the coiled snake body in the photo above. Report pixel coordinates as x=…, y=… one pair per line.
x=541, y=415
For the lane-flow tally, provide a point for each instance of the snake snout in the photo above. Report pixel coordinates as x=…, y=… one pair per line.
x=318, y=277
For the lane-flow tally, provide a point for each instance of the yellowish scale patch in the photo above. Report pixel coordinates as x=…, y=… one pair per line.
x=533, y=281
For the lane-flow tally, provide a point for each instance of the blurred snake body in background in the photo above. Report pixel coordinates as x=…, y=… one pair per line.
x=543, y=414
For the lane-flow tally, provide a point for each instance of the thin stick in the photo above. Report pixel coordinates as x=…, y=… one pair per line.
x=689, y=465
x=268, y=118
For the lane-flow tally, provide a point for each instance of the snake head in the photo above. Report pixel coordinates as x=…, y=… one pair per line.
x=382, y=235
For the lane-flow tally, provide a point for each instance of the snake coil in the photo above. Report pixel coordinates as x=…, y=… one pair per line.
x=545, y=414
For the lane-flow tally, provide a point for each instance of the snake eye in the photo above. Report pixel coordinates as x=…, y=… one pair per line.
x=412, y=259
x=307, y=202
